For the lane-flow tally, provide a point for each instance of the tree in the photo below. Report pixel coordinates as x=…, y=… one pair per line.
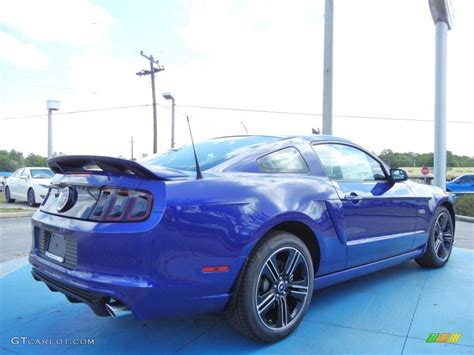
x=13, y=160
x=10, y=161
x=35, y=160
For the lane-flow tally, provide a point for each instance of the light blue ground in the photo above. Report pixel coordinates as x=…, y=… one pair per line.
x=391, y=311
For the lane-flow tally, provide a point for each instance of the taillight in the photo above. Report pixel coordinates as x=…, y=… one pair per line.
x=122, y=205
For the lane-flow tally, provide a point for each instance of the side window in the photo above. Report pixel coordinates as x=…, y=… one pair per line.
x=24, y=173
x=466, y=179
x=343, y=162
x=18, y=173
x=287, y=160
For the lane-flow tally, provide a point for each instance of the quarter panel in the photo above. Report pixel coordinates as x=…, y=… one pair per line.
x=227, y=216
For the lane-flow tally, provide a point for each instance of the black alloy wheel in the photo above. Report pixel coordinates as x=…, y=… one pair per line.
x=440, y=241
x=282, y=288
x=274, y=289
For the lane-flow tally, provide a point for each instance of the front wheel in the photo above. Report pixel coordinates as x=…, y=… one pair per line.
x=275, y=289
x=440, y=240
x=8, y=196
x=31, y=198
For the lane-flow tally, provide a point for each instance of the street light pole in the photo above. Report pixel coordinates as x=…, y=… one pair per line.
x=168, y=96
x=441, y=13
x=51, y=105
x=327, y=75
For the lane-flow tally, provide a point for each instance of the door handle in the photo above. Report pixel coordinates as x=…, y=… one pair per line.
x=352, y=197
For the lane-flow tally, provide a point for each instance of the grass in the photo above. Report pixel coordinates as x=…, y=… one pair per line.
x=450, y=172
x=8, y=210
x=2, y=197
x=465, y=205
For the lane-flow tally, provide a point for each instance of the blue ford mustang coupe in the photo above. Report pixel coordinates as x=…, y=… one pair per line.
x=269, y=220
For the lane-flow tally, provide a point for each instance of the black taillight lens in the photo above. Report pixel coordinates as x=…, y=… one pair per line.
x=122, y=205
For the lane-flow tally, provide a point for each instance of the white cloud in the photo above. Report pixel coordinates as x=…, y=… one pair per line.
x=269, y=54
x=73, y=21
x=21, y=54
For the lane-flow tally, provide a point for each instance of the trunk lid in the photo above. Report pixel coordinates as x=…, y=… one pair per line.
x=93, y=187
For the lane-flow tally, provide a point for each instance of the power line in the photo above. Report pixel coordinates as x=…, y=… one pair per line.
x=312, y=114
x=238, y=110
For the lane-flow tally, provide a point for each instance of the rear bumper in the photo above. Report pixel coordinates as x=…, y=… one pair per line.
x=95, y=301
x=96, y=290
x=143, y=265
x=146, y=300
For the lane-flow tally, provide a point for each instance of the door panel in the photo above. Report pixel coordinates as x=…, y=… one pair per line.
x=13, y=184
x=379, y=215
x=22, y=184
x=380, y=222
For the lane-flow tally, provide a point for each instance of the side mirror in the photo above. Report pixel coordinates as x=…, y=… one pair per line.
x=23, y=177
x=397, y=175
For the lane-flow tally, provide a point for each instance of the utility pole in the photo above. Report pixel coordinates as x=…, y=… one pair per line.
x=131, y=148
x=155, y=67
x=327, y=75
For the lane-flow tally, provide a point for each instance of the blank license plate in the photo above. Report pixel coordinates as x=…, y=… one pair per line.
x=56, y=247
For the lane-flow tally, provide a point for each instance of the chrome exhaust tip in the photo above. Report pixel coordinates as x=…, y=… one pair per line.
x=117, y=309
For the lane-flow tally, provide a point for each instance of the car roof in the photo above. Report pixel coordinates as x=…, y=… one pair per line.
x=308, y=138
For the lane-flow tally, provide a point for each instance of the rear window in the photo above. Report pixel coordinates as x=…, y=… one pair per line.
x=210, y=153
x=287, y=160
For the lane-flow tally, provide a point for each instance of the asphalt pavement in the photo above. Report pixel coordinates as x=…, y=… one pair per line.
x=15, y=238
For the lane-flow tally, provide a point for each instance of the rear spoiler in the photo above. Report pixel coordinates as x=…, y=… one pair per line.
x=80, y=163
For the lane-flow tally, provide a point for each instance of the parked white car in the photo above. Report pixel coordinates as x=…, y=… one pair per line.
x=28, y=184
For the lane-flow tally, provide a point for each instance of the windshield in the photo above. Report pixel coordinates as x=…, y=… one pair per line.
x=41, y=173
x=210, y=153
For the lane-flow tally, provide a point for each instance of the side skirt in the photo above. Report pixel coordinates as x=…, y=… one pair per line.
x=328, y=280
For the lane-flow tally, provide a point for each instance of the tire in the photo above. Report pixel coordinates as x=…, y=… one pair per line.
x=440, y=240
x=274, y=290
x=31, y=198
x=8, y=196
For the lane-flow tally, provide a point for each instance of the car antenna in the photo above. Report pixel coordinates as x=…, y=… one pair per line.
x=198, y=168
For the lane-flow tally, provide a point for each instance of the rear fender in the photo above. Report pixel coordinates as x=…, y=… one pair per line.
x=332, y=251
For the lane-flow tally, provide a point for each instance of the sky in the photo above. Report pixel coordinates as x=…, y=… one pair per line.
x=262, y=55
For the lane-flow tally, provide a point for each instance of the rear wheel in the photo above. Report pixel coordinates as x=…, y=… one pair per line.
x=31, y=198
x=440, y=241
x=8, y=197
x=275, y=290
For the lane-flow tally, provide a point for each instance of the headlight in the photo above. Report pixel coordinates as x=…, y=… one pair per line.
x=45, y=186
